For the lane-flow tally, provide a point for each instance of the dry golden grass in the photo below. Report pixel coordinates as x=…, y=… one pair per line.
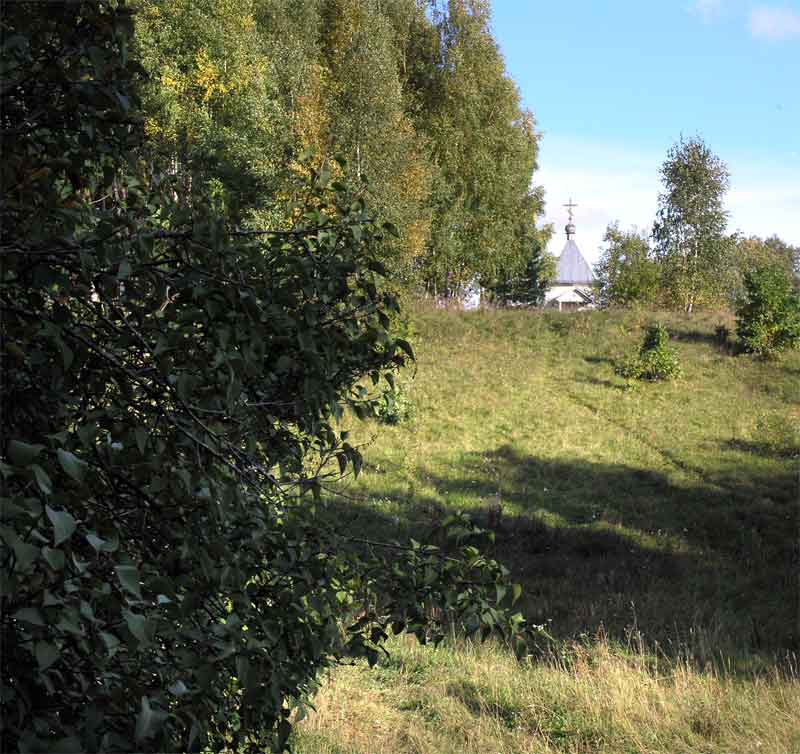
x=594, y=700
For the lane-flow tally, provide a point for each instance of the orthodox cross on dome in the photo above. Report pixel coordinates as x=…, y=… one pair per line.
x=570, y=227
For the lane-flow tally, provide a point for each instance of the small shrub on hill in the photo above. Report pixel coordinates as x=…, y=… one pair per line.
x=396, y=406
x=655, y=360
x=768, y=315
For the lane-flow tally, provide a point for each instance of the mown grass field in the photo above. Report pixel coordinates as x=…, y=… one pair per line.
x=654, y=530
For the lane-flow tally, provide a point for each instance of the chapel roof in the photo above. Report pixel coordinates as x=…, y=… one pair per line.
x=573, y=269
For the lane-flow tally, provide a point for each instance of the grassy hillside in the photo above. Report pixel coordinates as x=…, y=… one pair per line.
x=662, y=518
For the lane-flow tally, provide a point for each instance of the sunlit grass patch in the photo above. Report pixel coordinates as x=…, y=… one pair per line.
x=662, y=520
x=674, y=503
x=592, y=697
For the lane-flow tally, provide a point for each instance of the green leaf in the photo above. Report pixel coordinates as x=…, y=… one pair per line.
x=404, y=345
x=284, y=364
x=96, y=542
x=148, y=721
x=178, y=688
x=194, y=733
x=30, y=615
x=21, y=453
x=54, y=558
x=67, y=354
x=516, y=591
x=111, y=642
x=63, y=524
x=129, y=578
x=141, y=439
x=72, y=465
x=42, y=480
x=137, y=625
x=70, y=621
x=24, y=553
x=46, y=654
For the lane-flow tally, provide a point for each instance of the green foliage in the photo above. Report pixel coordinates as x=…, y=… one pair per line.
x=655, y=359
x=484, y=146
x=529, y=286
x=172, y=394
x=753, y=253
x=369, y=120
x=626, y=274
x=690, y=242
x=215, y=117
x=415, y=98
x=784, y=253
x=396, y=406
x=768, y=313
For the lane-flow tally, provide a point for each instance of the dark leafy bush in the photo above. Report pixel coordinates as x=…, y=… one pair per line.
x=655, y=359
x=171, y=397
x=768, y=314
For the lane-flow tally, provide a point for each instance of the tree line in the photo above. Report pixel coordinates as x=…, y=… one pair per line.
x=411, y=95
x=689, y=259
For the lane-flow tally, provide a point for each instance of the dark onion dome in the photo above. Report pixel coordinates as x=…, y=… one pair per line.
x=573, y=269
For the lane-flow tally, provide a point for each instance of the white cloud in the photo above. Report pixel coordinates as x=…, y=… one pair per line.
x=764, y=202
x=708, y=9
x=774, y=24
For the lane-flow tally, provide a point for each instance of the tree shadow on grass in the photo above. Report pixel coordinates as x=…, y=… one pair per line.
x=603, y=383
x=599, y=360
x=762, y=449
x=697, y=336
x=702, y=570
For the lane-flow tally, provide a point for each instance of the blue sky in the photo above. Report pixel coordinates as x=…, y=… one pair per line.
x=613, y=83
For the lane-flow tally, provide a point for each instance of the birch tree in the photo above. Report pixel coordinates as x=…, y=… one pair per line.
x=689, y=232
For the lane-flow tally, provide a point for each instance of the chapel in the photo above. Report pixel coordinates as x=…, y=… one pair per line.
x=572, y=288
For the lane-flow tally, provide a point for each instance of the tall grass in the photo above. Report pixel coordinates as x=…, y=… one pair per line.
x=467, y=699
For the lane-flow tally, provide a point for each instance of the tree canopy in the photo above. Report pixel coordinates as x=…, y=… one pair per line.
x=626, y=274
x=689, y=232
x=415, y=97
